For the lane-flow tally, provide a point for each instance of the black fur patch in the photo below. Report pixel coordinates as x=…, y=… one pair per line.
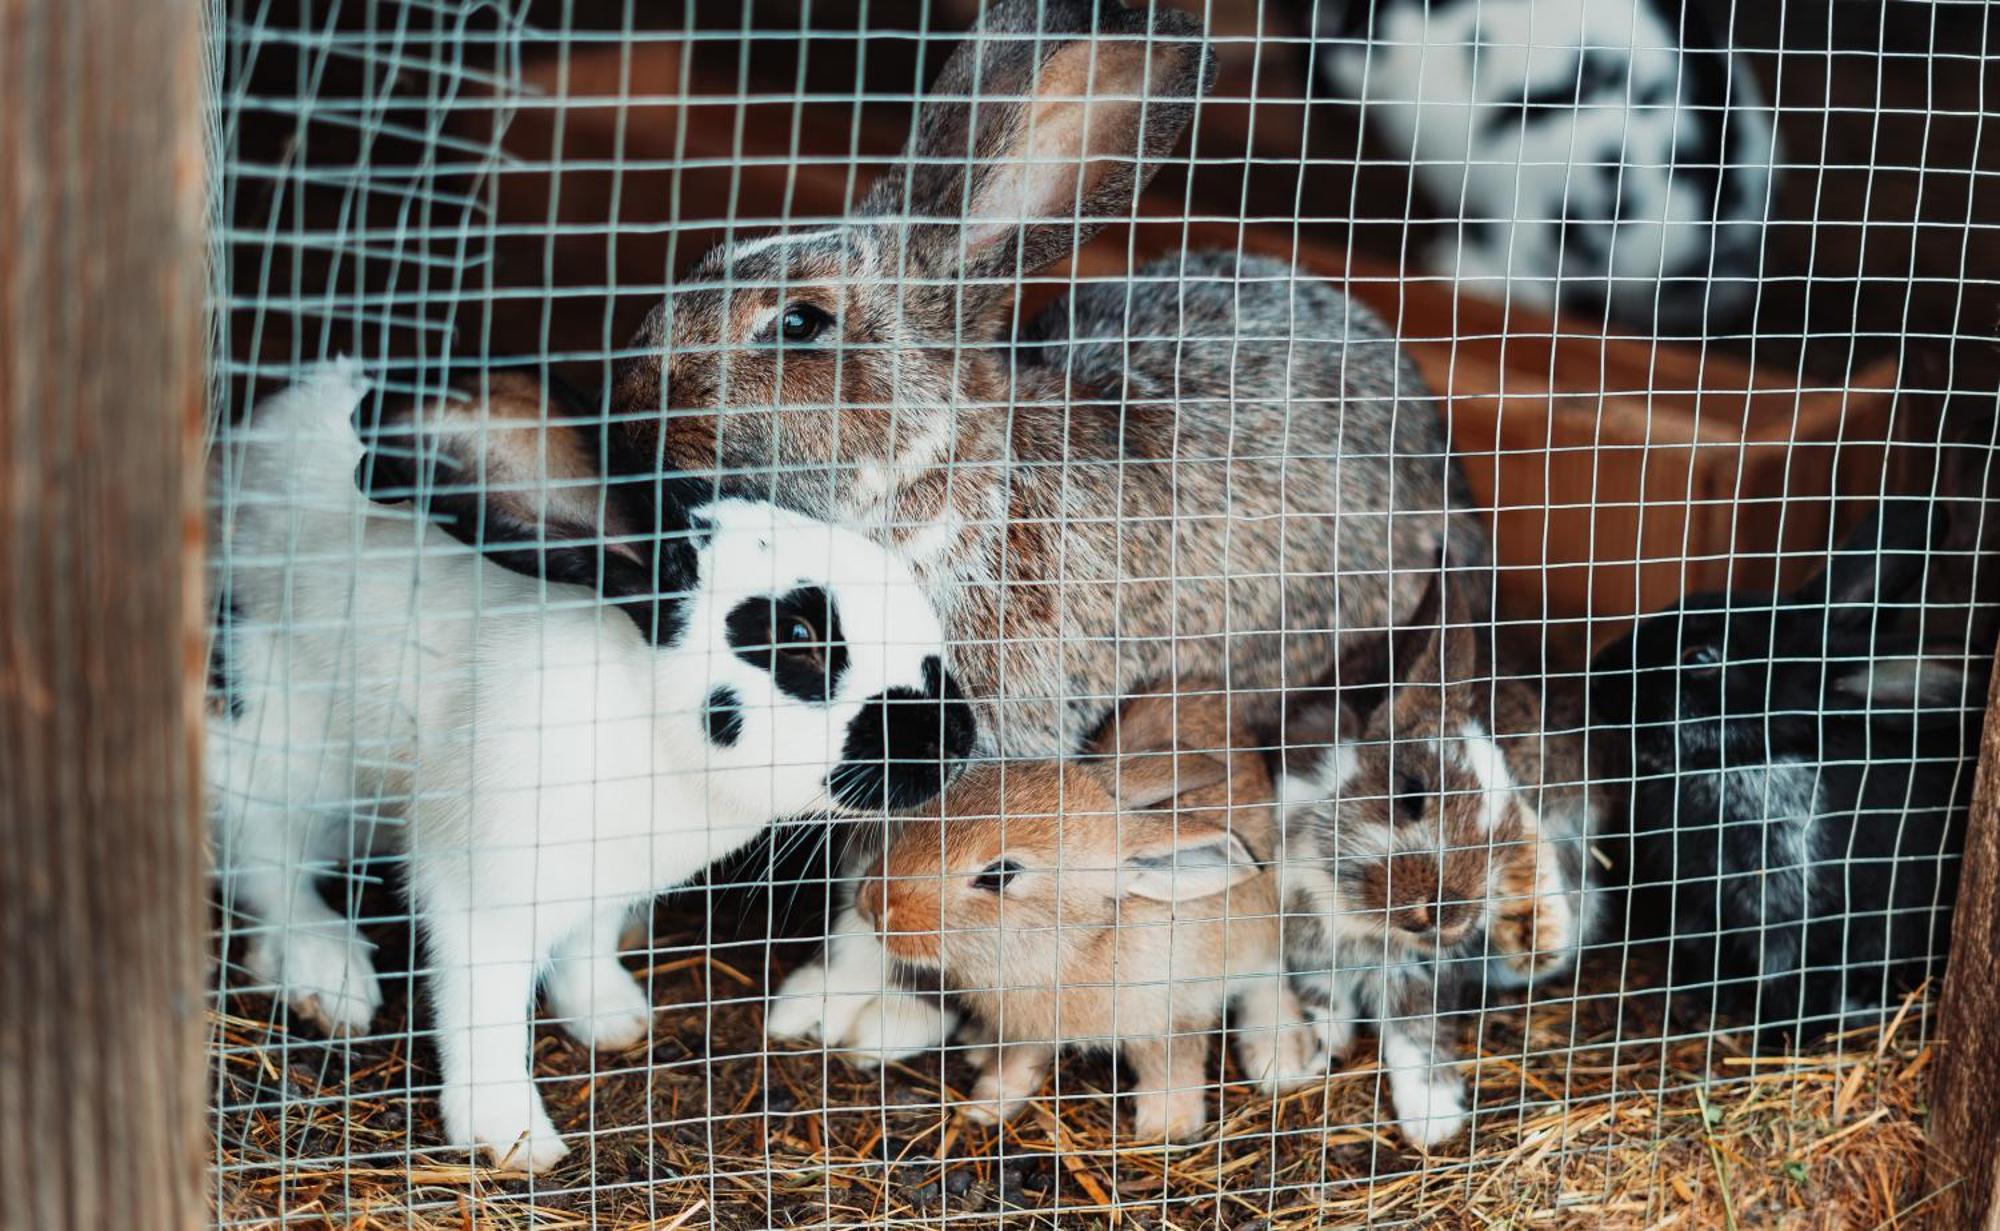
x=1601, y=75
x=1354, y=20
x=723, y=716
x=1596, y=77
x=222, y=689
x=902, y=748
x=1556, y=98
x=1705, y=87
x=760, y=634
x=701, y=531
x=1588, y=237
x=400, y=464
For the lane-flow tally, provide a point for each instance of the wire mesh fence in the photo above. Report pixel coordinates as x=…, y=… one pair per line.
x=1235, y=614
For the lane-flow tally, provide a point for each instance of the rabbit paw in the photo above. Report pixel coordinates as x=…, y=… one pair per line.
x=801, y=1008
x=327, y=976
x=1298, y=1059
x=1333, y=1034
x=504, y=1121
x=600, y=1004
x=868, y=1027
x=992, y=1103
x=1283, y=1057
x=1008, y=1077
x=895, y=1026
x=1430, y=1107
x=1535, y=932
x=1169, y=1115
x=992, y=1112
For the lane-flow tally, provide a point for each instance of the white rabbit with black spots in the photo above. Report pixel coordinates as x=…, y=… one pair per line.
x=549, y=757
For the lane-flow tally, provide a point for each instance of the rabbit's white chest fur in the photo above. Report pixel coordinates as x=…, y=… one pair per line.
x=1777, y=860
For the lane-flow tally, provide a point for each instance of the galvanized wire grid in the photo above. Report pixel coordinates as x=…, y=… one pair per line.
x=428, y=186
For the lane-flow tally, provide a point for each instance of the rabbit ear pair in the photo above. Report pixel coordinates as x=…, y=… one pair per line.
x=1043, y=125
x=1436, y=644
x=518, y=468
x=1880, y=562
x=1158, y=746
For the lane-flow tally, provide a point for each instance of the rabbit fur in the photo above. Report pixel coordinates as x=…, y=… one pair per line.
x=1593, y=153
x=1071, y=912
x=1800, y=766
x=546, y=758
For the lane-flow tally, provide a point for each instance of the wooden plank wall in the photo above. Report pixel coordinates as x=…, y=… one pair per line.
x=102, y=885
x=1965, y=1107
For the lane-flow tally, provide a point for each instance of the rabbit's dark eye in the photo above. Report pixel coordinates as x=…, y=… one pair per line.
x=794, y=639
x=1700, y=656
x=801, y=323
x=1410, y=796
x=994, y=876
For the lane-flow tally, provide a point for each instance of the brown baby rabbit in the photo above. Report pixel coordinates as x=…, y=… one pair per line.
x=1437, y=847
x=1209, y=466
x=1069, y=910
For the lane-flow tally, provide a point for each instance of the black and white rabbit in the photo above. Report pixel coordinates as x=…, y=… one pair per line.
x=1588, y=150
x=546, y=763
x=1799, y=768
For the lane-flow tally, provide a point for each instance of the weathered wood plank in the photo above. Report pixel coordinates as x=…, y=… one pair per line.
x=101, y=404
x=1965, y=1111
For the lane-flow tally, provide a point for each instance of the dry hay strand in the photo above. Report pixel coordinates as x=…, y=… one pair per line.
x=1587, y=1118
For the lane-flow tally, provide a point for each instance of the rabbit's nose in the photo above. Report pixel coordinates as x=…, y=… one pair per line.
x=1418, y=920
x=1455, y=920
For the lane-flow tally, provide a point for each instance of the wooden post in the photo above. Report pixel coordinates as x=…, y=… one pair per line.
x=102, y=887
x=1965, y=1109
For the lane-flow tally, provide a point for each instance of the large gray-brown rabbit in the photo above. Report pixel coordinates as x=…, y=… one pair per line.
x=1207, y=467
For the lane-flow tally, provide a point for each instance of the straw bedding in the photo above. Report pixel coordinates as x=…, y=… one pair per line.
x=1588, y=1119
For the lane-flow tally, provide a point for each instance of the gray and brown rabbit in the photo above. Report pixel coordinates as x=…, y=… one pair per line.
x=1207, y=467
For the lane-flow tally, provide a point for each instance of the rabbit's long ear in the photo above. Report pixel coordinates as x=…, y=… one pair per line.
x=1159, y=746
x=1880, y=562
x=1436, y=643
x=517, y=469
x=1043, y=124
x=1902, y=679
x=1183, y=862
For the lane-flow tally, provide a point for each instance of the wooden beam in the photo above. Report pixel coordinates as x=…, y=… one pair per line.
x=102, y=886
x=1965, y=1108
